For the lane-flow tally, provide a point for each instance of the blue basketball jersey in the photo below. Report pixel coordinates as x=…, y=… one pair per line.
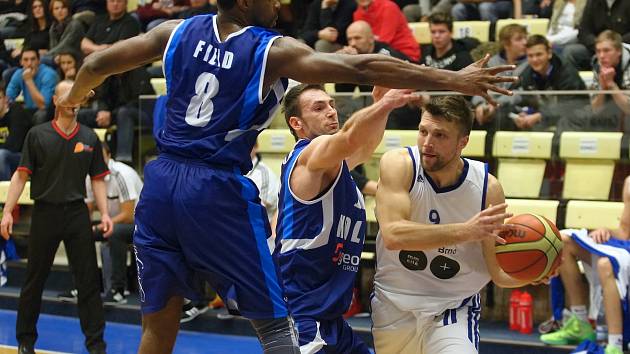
x=217, y=104
x=319, y=243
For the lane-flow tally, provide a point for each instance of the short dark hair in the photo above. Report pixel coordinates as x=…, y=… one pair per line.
x=292, y=102
x=442, y=18
x=29, y=49
x=453, y=109
x=611, y=36
x=536, y=39
x=226, y=4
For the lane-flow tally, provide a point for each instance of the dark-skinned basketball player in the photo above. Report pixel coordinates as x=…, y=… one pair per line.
x=226, y=75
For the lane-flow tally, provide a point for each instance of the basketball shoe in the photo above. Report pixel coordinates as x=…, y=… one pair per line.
x=573, y=331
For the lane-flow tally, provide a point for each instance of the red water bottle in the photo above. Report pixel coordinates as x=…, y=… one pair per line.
x=515, y=299
x=526, y=315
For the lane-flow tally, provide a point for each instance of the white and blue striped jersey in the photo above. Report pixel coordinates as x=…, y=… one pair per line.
x=438, y=279
x=319, y=243
x=216, y=104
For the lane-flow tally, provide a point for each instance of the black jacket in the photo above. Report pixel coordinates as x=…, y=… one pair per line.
x=598, y=18
x=457, y=58
x=319, y=18
x=563, y=76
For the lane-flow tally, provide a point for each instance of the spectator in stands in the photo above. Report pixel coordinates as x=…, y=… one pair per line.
x=444, y=52
x=326, y=24
x=198, y=7
x=65, y=33
x=39, y=21
x=603, y=253
x=36, y=82
x=86, y=10
x=116, y=99
x=601, y=15
x=421, y=10
x=68, y=65
x=14, y=123
x=468, y=10
x=388, y=25
x=110, y=28
x=71, y=152
x=123, y=190
x=539, y=8
x=611, y=71
x=361, y=41
x=565, y=19
x=268, y=185
x=152, y=13
x=513, y=41
x=12, y=16
x=544, y=71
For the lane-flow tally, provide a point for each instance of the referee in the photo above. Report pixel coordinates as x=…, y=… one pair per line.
x=58, y=155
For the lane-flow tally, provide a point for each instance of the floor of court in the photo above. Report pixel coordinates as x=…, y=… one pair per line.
x=58, y=334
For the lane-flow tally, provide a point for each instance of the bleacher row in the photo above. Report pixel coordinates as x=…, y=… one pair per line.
x=589, y=158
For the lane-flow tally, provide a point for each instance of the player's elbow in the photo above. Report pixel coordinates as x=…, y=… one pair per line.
x=391, y=239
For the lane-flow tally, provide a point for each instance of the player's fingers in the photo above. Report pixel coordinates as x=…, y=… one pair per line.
x=500, y=68
x=493, y=209
x=488, y=98
x=483, y=61
x=500, y=240
x=500, y=90
x=508, y=79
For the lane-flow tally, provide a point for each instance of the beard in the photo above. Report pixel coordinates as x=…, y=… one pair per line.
x=437, y=163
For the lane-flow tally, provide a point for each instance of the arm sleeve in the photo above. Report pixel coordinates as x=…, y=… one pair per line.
x=27, y=160
x=392, y=16
x=48, y=86
x=127, y=188
x=70, y=39
x=15, y=88
x=585, y=32
x=343, y=19
x=88, y=190
x=98, y=169
x=311, y=24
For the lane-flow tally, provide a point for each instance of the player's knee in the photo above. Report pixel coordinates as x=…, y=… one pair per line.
x=604, y=267
x=276, y=335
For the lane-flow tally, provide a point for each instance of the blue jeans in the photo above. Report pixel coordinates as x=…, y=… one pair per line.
x=9, y=161
x=486, y=11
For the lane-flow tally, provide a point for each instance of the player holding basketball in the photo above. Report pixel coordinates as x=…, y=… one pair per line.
x=197, y=214
x=438, y=214
x=609, y=262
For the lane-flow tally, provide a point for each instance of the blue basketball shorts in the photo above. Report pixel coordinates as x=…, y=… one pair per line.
x=199, y=222
x=328, y=336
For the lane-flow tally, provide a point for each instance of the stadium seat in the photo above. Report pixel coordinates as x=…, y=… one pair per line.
x=421, y=32
x=533, y=25
x=25, y=198
x=593, y=215
x=370, y=208
x=587, y=77
x=590, y=163
x=476, y=144
x=13, y=43
x=132, y=5
x=522, y=159
x=475, y=29
x=159, y=85
x=274, y=145
x=546, y=208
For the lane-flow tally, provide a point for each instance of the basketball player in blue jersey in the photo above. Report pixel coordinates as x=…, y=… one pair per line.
x=438, y=214
x=321, y=212
x=198, y=216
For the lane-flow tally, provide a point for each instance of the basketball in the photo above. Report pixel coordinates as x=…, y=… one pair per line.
x=532, y=248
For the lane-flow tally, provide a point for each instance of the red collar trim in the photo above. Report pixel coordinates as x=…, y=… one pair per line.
x=61, y=132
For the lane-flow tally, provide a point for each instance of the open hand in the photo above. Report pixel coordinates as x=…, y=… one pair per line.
x=488, y=224
x=476, y=80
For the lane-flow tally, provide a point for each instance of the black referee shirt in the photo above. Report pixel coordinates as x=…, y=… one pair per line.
x=58, y=163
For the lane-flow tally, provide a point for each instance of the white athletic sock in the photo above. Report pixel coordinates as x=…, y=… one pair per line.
x=616, y=340
x=580, y=312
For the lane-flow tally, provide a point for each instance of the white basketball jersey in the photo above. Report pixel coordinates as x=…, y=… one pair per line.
x=438, y=279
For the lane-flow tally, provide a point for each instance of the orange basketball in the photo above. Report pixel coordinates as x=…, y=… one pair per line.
x=533, y=248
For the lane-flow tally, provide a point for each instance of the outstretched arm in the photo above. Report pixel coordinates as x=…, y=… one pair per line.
x=290, y=58
x=393, y=211
x=122, y=56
